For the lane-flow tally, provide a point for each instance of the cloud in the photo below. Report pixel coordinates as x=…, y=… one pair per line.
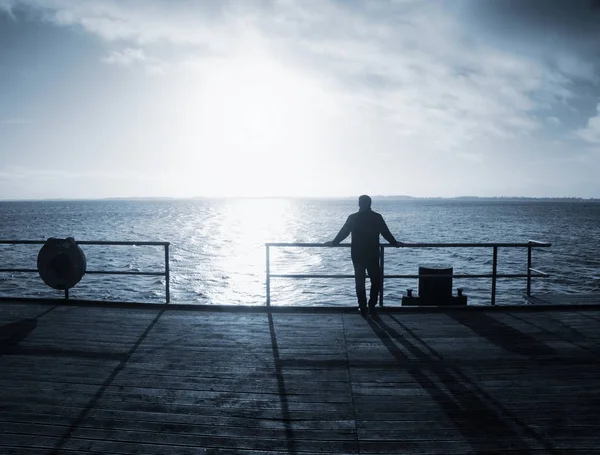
x=577, y=67
x=126, y=57
x=6, y=8
x=591, y=133
x=143, y=22
x=553, y=121
x=422, y=71
x=563, y=32
x=418, y=68
x=129, y=57
x=572, y=19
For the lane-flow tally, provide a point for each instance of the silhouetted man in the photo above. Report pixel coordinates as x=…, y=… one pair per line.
x=365, y=227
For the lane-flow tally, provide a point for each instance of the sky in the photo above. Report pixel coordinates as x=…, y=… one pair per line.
x=314, y=98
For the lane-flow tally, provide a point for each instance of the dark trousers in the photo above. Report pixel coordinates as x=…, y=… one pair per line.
x=370, y=265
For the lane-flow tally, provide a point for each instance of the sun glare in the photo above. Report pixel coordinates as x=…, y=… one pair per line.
x=259, y=126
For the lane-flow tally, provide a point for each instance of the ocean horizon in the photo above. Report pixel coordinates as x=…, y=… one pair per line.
x=352, y=197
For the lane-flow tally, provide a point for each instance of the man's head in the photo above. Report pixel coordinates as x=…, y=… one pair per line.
x=364, y=202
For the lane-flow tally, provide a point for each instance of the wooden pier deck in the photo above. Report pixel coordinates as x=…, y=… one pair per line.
x=84, y=379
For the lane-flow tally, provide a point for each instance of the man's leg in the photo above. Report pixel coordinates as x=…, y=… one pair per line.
x=359, y=280
x=375, y=278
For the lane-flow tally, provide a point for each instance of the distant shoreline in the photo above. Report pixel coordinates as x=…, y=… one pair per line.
x=324, y=198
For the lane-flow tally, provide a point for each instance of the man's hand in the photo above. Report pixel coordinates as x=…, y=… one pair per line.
x=399, y=244
x=329, y=243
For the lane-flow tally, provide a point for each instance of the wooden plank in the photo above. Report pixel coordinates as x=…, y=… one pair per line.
x=131, y=381
x=138, y=420
x=565, y=299
x=165, y=431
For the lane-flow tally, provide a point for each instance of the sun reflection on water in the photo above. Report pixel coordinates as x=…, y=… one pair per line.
x=245, y=226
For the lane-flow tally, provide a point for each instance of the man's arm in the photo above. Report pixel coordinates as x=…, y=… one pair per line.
x=385, y=232
x=344, y=232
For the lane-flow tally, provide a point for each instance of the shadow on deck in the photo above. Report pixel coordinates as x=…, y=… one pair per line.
x=85, y=379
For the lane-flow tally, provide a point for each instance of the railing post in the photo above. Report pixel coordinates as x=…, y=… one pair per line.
x=381, y=263
x=167, y=275
x=494, y=272
x=268, y=279
x=529, y=271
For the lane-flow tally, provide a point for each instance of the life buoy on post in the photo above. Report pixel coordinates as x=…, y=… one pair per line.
x=61, y=263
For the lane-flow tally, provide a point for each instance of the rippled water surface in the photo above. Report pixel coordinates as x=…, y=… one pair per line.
x=217, y=253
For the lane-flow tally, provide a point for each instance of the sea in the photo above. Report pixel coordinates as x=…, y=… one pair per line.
x=217, y=251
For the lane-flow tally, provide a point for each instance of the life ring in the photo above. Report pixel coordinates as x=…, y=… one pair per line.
x=61, y=263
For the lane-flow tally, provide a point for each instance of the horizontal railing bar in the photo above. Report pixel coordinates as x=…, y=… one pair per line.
x=116, y=272
x=532, y=244
x=84, y=242
x=314, y=275
x=100, y=242
x=490, y=275
x=504, y=275
x=22, y=242
x=18, y=270
x=89, y=272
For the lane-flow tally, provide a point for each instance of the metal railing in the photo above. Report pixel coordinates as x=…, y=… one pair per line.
x=165, y=273
x=531, y=272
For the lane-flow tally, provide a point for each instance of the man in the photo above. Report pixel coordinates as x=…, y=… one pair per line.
x=365, y=227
